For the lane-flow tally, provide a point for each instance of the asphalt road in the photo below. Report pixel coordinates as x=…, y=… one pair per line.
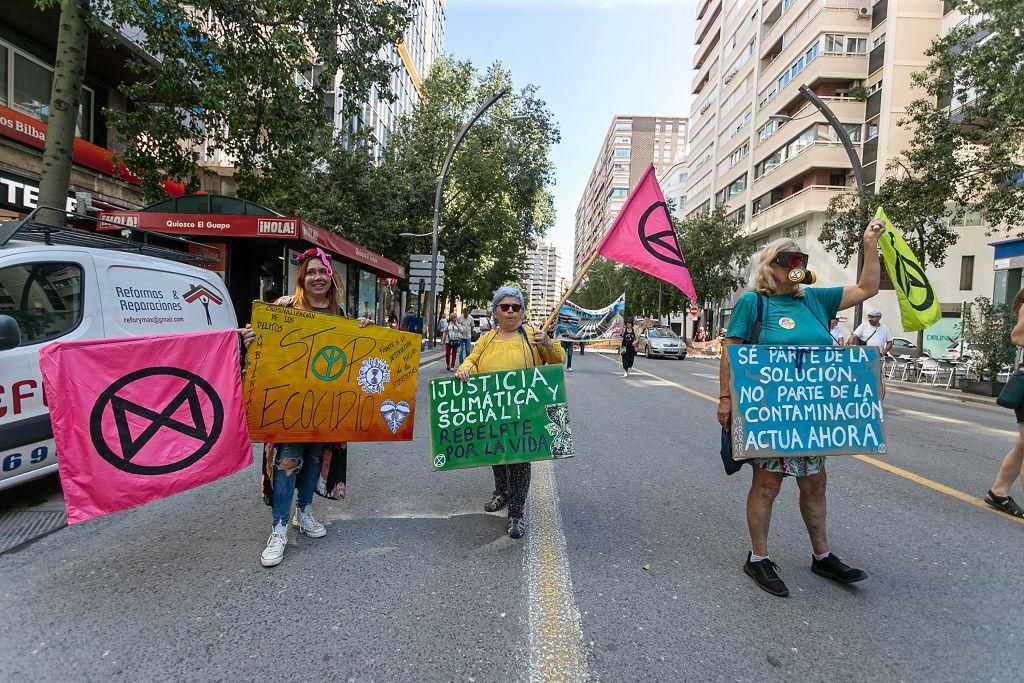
x=631, y=569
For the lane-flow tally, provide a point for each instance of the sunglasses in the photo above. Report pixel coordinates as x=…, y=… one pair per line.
x=791, y=259
x=505, y=308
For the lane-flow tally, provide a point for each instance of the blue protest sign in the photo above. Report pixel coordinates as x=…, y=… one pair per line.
x=804, y=401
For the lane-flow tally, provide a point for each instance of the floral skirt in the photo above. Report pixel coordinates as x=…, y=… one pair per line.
x=792, y=467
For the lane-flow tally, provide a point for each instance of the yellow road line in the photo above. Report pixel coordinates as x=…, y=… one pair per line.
x=555, y=637
x=916, y=478
x=942, y=488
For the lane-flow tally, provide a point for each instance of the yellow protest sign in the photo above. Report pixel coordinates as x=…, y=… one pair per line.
x=313, y=377
x=919, y=307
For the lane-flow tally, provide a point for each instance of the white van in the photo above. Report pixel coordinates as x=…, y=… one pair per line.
x=65, y=292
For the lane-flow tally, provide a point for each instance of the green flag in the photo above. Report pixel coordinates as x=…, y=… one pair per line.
x=919, y=308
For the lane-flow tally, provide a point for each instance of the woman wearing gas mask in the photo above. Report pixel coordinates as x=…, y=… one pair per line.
x=791, y=314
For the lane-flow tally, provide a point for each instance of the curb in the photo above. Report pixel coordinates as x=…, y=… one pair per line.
x=953, y=396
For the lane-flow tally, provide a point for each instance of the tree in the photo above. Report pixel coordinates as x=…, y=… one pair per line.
x=717, y=254
x=246, y=77
x=986, y=330
x=496, y=199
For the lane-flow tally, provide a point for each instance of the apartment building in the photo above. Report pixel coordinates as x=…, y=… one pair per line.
x=760, y=148
x=544, y=280
x=422, y=43
x=631, y=143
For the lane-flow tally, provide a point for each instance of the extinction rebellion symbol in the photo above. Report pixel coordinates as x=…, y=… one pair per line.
x=662, y=245
x=182, y=414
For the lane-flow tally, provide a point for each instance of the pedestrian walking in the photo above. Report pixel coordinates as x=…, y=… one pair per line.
x=442, y=330
x=567, y=348
x=583, y=348
x=510, y=345
x=873, y=333
x=627, y=348
x=292, y=470
x=1011, y=469
x=465, y=323
x=779, y=312
x=452, y=342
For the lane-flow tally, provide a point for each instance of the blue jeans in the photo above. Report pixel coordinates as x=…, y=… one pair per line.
x=465, y=349
x=296, y=468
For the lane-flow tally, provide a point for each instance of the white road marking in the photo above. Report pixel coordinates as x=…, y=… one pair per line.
x=555, y=636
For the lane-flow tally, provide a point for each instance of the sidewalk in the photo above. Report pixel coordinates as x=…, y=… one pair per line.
x=941, y=392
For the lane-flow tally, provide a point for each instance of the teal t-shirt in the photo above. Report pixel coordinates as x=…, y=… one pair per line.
x=786, y=319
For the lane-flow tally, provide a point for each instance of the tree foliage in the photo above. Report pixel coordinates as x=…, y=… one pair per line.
x=496, y=200
x=986, y=330
x=247, y=78
x=965, y=150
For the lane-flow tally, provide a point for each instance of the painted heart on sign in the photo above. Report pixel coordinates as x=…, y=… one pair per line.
x=394, y=413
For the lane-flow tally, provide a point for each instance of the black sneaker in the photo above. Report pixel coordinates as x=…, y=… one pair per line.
x=765, y=575
x=496, y=502
x=516, y=528
x=833, y=568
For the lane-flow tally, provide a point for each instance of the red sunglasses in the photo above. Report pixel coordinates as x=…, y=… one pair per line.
x=791, y=259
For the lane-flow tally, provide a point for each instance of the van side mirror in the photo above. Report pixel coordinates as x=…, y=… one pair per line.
x=10, y=333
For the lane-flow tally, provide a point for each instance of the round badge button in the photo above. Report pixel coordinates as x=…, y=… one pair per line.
x=787, y=323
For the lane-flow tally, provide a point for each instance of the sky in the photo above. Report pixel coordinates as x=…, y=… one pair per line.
x=591, y=59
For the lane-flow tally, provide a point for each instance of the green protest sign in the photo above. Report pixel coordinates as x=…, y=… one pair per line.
x=498, y=418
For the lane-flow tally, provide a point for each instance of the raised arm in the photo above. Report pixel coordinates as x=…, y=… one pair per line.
x=870, y=272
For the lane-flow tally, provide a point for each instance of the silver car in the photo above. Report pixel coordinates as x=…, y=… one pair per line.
x=661, y=342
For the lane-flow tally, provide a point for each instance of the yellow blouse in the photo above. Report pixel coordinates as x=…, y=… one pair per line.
x=492, y=354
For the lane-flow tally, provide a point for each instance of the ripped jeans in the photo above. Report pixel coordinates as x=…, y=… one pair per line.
x=296, y=468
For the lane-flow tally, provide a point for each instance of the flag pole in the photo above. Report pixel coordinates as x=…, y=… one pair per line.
x=553, y=316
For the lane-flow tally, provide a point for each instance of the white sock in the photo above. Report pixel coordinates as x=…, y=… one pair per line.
x=281, y=528
x=822, y=556
x=757, y=558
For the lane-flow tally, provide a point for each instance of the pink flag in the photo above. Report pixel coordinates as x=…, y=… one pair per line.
x=143, y=418
x=642, y=237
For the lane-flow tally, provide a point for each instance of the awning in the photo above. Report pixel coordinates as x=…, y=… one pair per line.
x=1009, y=254
x=235, y=225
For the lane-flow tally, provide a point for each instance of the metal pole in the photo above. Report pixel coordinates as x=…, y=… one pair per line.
x=432, y=299
x=858, y=174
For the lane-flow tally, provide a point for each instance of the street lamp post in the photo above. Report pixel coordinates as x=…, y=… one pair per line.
x=432, y=300
x=858, y=168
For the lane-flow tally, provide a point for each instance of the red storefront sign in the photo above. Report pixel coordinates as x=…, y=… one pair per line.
x=235, y=225
x=32, y=132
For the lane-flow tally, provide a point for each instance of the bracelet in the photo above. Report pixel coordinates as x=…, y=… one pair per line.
x=724, y=396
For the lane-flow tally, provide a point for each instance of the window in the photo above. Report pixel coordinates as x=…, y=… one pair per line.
x=872, y=130
x=3, y=75
x=25, y=85
x=833, y=43
x=44, y=298
x=618, y=193
x=856, y=46
x=966, y=272
x=878, y=40
x=622, y=153
x=796, y=231
x=766, y=130
x=837, y=179
x=624, y=125
x=875, y=87
x=625, y=141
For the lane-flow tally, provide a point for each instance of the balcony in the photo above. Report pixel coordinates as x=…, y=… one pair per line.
x=818, y=154
x=704, y=7
x=705, y=48
x=710, y=19
x=847, y=109
x=808, y=201
x=826, y=67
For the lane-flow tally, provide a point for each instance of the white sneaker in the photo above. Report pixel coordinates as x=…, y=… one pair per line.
x=307, y=524
x=625, y=374
x=569, y=369
x=274, y=552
